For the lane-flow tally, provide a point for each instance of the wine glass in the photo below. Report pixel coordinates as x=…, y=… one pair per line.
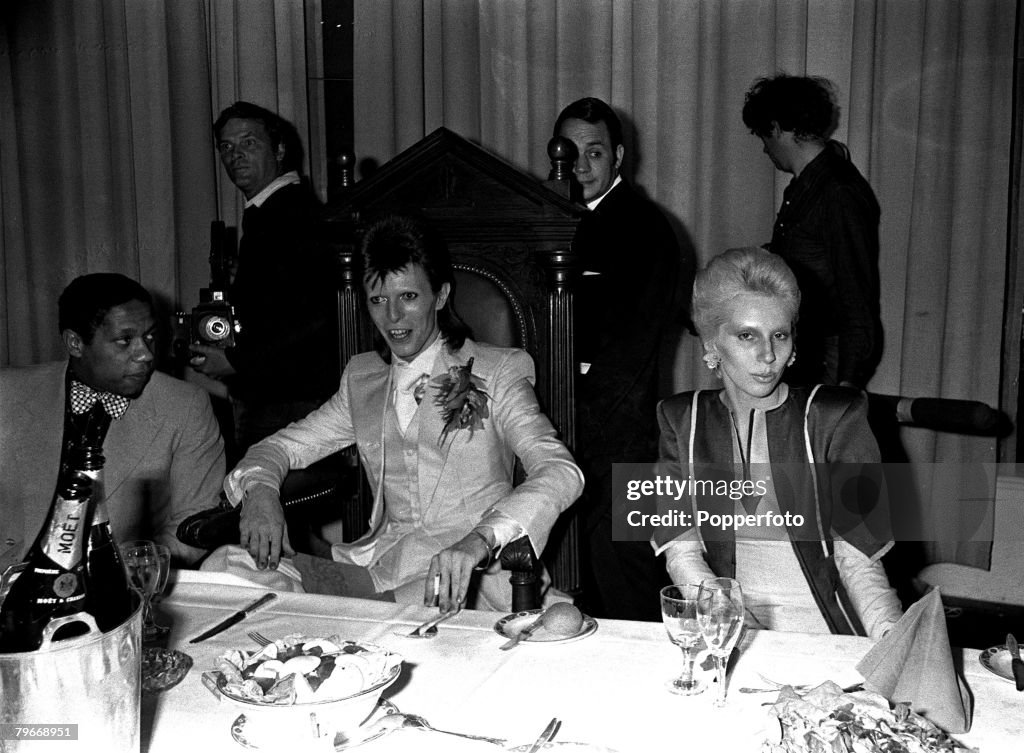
x=148, y=565
x=720, y=616
x=679, y=613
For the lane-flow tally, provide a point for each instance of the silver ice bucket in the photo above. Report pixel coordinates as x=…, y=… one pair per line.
x=91, y=680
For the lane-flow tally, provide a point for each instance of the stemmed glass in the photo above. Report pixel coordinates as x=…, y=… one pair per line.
x=679, y=613
x=720, y=616
x=148, y=565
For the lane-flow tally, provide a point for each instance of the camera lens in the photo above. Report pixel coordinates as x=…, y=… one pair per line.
x=215, y=328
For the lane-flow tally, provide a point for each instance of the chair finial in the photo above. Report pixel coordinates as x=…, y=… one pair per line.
x=562, y=153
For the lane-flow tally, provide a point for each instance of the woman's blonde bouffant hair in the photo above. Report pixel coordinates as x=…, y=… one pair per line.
x=738, y=271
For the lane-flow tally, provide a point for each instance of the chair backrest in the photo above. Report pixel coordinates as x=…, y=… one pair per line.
x=486, y=303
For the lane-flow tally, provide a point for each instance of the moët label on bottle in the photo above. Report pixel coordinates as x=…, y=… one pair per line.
x=65, y=531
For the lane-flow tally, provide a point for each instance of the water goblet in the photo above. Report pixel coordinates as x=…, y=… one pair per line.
x=148, y=565
x=720, y=616
x=679, y=613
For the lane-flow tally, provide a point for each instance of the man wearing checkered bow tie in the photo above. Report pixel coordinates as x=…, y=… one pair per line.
x=163, y=449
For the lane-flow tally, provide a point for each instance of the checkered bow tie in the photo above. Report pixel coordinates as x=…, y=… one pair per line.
x=84, y=397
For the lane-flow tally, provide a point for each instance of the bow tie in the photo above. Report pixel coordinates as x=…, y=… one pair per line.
x=83, y=398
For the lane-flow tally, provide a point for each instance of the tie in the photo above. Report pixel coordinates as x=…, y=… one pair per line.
x=419, y=387
x=84, y=397
x=408, y=396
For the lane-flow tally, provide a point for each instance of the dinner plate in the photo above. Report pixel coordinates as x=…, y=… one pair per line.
x=512, y=625
x=997, y=661
x=384, y=708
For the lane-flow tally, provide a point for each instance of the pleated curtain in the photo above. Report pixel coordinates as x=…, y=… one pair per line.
x=107, y=160
x=925, y=88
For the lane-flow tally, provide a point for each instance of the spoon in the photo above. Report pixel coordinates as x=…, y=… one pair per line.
x=414, y=721
x=418, y=722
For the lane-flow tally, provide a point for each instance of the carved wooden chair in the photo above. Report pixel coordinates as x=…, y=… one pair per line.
x=510, y=241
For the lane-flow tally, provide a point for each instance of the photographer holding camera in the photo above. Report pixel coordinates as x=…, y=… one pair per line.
x=284, y=359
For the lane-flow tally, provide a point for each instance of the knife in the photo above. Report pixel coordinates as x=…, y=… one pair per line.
x=1015, y=663
x=235, y=618
x=522, y=635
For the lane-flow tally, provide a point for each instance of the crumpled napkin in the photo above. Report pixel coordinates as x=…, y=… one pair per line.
x=914, y=663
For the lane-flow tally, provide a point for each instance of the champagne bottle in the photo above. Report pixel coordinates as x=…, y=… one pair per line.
x=110, y=599
x=53, y=582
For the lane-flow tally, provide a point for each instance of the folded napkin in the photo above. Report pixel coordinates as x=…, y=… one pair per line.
x=234, y=562
x=914, y=663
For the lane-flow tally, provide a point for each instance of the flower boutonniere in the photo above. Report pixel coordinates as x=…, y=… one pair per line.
x=462, y=400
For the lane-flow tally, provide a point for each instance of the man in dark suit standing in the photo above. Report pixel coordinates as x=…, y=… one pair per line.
x=285, y=362
x=634, y=283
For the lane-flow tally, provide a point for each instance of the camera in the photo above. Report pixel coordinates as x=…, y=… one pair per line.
x=213, y=321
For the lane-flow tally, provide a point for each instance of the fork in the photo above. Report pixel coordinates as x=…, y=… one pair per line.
x=259, y=638
x=429, y=628
x=418, y=722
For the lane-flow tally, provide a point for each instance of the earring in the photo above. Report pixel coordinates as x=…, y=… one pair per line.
x=713, y=360
x=792, y=359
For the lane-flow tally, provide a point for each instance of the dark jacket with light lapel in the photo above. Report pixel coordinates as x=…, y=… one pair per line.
x=844, y=454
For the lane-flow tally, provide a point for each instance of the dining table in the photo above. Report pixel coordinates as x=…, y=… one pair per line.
x=608, y=688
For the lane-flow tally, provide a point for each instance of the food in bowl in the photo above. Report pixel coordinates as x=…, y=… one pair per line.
x=298, y=669
x=827, y=720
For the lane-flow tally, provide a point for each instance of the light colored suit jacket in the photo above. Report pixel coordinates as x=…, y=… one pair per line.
x=164, y=459
x=459, y=482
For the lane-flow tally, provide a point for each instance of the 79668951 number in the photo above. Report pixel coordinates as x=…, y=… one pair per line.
x=38, y=731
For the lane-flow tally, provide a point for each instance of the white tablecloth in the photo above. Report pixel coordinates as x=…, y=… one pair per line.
x=607, y=688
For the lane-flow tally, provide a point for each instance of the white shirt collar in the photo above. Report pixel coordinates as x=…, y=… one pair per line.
x=285, y=179
x=424, y=362
x=592, y=204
